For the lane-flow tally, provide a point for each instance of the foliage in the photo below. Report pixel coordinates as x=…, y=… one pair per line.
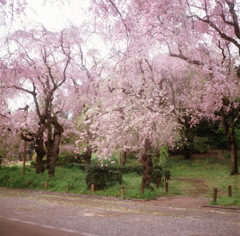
x=200, y=145
x=97, y=176
x=65, y=158
x=101, y=176
x=157, y=175
x=114, y=176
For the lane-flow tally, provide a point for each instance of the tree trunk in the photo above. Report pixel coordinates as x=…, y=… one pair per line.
x=53, y=152
x=147, y=170
x=87, y=157
x=186, y=151
x=234, y=157
x=123, y=158
x=39, y=148
x=147, y=165
x=49, y=146
x=230, y=131
x=189, y=135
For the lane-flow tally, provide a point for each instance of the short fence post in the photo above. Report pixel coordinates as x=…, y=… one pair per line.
x=68, y=187
x=166, y=186
x=215, y=194
x=46, y=185
x=92, y=188
x=230, y=190
x=122, y=191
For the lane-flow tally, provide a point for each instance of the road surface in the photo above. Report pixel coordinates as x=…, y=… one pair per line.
x=27, y=212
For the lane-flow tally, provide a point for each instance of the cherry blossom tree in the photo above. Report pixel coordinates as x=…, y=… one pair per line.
x=202, y=33
x=43, y=65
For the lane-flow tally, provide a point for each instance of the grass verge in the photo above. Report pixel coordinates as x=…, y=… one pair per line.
x=191, y=178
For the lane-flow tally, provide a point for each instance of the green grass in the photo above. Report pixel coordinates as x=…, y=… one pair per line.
x=194, y=178
x=198, y=178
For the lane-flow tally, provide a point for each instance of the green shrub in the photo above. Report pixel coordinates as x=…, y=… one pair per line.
x=127, y=169
x=64, y=158
x=167, y=174
x=80, y=166
x=114, y=176
x=156, y=175
x=98, y=176
x=18, y=182
x=200, y=145
x=3, y=180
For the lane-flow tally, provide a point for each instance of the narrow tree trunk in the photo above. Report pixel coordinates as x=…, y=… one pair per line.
x=186, y=152
x=53, y=155
x=87, y=157
x=189, y=134
x=147, y=170
x=234, y=158
x=123, y=158
x=230, y=132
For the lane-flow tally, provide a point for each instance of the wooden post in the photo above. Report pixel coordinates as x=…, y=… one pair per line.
x=46, y=185
x=24, y=156
x=215, y=194
x=122, y=191
x=27, y=183
x=230, y=190
x=68, y=187
x=92, y=188
x=166, y=186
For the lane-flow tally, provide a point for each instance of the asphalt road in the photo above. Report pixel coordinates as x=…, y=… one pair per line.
x=12, y=227
x=26, y=212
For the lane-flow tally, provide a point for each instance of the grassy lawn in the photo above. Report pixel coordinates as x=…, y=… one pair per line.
x=198, y=178
x=194, y=178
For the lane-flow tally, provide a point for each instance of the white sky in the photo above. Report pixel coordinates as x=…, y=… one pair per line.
x=55, y=16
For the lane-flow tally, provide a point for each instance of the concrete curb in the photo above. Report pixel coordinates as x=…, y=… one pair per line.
x=223, y=207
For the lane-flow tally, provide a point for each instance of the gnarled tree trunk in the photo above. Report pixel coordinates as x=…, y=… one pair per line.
x=147, y=170
x=54, y=150
x=147, y=165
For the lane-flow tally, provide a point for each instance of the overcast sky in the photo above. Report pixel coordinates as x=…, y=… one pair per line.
x=54, y=16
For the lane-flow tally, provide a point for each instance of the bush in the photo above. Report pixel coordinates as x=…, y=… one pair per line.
x=115, y=176
x=127, y=169
x=167, y=174
x=3, y=180
x=156, y=174
x=80, y=166
x=64, y=158
x=100, y=176
x=200, y=145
